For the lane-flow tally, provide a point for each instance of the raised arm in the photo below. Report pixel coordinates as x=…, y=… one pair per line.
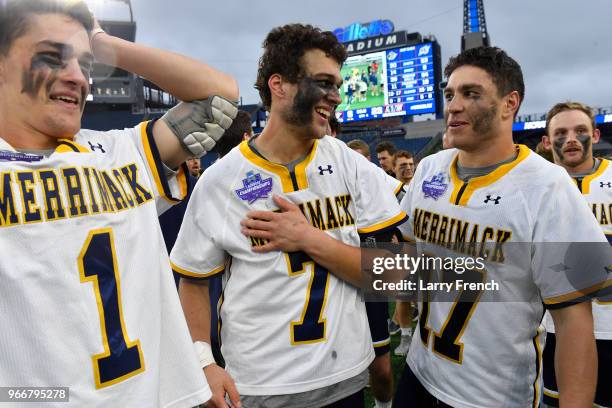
x=184, y=77
x=177, y=137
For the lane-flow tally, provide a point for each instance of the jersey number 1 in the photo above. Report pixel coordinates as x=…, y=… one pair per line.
x=121, y=358
x=311, y=326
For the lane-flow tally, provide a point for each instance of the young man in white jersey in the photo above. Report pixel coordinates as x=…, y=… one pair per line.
x=80, y=240
x=294, y=331
x=484, y=198
x=570, y=135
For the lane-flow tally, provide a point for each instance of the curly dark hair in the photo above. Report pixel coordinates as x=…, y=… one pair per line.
x=505, y=71
x=283, y=50
x=14, y=17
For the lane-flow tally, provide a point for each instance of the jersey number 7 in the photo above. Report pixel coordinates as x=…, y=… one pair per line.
x=121, y=358
x=311, y=326
x=446, y=342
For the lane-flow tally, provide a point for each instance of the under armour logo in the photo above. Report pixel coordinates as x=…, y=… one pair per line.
x=602, y=184
x=495, y=200
x=322, y=170
x=93, y=147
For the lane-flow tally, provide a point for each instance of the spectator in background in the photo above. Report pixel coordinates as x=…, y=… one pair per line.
x=360, y=147
x=334, y=126
x=240, y=130
x=403, y=166
x=384, y=154
x=545, y=152
x=194, y=167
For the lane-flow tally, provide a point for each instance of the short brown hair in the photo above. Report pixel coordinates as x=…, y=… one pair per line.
x=401, y=153
x=284, y=48
x=233, y=136
x=505, y=72
x=359, y=144
x=14, y=17
x=386, y=146
x=566, y=106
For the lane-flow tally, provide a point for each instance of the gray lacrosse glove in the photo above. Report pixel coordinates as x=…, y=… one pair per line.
x=201, y=123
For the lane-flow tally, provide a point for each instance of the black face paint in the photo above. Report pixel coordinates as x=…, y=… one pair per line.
x=307, y=96
x=583, y=139
x=482, y=121
x=43, y=69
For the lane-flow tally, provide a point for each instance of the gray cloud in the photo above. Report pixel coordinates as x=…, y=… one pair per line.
x=564, y=47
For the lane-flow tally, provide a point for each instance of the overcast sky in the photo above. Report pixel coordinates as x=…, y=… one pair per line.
x=563, y=46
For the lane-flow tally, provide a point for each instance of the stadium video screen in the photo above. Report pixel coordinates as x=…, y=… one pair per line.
x=394, y=82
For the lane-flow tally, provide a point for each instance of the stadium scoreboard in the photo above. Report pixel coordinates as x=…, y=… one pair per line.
x=407, y=84
x=388, y=75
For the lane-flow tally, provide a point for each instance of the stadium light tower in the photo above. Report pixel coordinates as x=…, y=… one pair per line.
x=474, y=25
x=127, y=2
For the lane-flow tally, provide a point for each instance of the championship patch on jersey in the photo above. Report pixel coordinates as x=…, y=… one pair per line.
x=254, y=187
x=6, y=155
x=435, y=187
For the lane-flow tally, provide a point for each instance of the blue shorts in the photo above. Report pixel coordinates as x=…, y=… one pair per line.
x=378, y=313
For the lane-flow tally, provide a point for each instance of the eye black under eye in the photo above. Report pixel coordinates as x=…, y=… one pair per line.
x=323, y=83
x=51, y=58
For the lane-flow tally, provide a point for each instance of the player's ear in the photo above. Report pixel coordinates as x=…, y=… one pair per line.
x=511, y=104
x=546, y=142
x=277, y=85
x=596, y=136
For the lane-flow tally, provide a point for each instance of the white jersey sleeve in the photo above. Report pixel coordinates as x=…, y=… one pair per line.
x=596, y=189
x=561, y=270
x=196, y=253
x=376, y=208
x=168, y=189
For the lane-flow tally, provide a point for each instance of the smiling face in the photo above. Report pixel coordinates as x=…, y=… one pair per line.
x=44, y=81
x=571, y=137
x=315, y=96
x=472, y=108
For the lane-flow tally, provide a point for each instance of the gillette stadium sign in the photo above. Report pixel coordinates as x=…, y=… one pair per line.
x=362, y=31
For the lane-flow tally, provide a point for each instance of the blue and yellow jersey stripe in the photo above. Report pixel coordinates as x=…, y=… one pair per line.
x=157, y=168
x=462, y=191
x=385, y=225
x=289, y=181
x=196, y=275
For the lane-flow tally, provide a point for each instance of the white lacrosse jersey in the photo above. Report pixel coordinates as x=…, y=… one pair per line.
x=596, y=188
x=287, y=324
x=487, y=353
x=87, y=299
